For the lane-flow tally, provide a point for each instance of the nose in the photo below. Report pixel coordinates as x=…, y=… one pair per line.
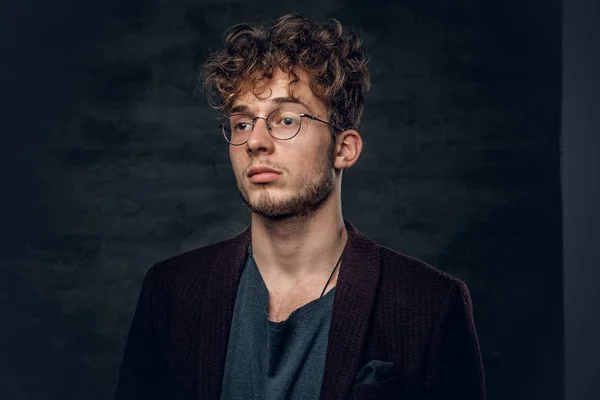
x=259, y=140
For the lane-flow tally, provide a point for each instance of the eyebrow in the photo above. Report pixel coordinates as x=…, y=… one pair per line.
x=277, y=100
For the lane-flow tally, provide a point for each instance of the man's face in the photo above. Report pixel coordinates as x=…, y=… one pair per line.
x=304, y=164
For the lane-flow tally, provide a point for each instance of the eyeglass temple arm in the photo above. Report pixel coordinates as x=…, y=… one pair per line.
x=320, y=120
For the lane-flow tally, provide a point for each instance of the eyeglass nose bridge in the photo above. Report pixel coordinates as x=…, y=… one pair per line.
x=269, y=127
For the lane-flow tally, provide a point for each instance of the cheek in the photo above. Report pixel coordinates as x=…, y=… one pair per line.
x=309, y=163
x=235, y=159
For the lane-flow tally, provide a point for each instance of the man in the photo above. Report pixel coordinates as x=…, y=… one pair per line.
x=300, y=305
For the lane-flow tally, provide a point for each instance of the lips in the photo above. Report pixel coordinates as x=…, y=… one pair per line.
x=261, y=174
x=261, y=170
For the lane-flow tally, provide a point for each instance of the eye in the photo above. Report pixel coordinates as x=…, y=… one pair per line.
x=288, y=121
x=243, y=126
x=240, y=123
x=285, y=119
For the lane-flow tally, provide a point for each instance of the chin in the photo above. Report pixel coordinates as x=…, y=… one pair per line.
x=277, y=203
x=281, y=208
x=279, y=212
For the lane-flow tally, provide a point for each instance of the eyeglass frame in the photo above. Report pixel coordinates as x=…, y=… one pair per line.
x=269, y=129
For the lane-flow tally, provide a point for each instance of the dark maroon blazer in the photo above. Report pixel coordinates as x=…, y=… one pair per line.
x=387, y=307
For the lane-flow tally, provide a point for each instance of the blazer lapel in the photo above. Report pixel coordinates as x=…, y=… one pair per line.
x=226, y=263
x=354, y=298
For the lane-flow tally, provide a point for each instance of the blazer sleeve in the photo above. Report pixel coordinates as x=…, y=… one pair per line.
x=139, y=375
x=455, y=365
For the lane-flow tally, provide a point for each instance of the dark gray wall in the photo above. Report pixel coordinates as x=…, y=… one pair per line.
x=580, y=174
x=112, y=162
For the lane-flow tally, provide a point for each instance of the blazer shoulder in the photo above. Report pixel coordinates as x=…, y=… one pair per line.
x=194, y=262
x=397, y=266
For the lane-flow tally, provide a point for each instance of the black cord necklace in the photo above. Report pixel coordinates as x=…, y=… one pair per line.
x=330, y=276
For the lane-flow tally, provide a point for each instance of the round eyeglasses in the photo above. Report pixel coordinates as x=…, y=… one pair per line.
x=282, y=124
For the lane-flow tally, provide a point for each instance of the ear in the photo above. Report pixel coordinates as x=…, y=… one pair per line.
x=348, y=147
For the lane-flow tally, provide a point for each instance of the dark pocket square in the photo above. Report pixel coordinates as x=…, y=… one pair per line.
x=375, y=371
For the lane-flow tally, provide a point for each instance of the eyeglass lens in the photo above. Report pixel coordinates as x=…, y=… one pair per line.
x=282, y=124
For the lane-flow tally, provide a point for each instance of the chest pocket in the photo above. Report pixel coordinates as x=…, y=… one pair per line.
x=382, y=390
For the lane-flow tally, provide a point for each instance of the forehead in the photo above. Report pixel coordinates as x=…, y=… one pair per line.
x=281, y=85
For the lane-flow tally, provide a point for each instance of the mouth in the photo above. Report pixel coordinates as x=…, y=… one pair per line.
x=263, y=175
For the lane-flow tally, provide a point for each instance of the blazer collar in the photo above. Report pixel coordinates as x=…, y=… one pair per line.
x=355, y=293
x=354, y=298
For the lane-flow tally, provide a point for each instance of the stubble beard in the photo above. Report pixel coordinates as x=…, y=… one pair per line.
x=305, y=202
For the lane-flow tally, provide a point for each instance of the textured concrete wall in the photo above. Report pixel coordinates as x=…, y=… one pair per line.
x=119, y=164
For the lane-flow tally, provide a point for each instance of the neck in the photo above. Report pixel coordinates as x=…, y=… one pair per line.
x=300, y=246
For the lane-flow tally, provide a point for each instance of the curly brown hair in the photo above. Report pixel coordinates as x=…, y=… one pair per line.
x=330, y=55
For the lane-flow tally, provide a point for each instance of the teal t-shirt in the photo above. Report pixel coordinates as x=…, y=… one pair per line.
x=274, y=360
